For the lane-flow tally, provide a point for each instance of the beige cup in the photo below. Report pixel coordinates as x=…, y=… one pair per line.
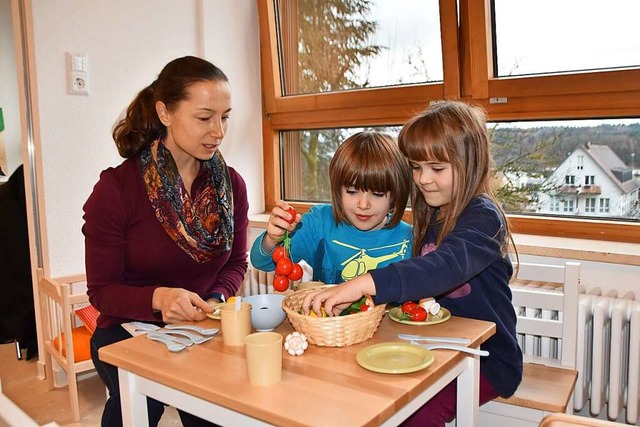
x=235, y=324
x=263, y=351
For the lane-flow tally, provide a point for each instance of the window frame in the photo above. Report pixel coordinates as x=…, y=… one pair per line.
x=468, y=75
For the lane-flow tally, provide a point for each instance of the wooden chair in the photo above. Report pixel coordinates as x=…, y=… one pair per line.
x=545, y=298
x=65, y=340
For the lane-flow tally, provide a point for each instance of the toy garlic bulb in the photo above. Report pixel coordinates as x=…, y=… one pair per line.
x=430, y=305
x=296, y=343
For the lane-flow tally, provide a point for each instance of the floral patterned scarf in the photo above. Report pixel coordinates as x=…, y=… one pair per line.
x=201, y=224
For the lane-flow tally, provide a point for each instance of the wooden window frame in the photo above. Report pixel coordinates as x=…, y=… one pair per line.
x=468, y=75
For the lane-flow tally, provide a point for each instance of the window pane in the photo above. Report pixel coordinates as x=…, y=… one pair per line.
x=335, y=45
x=573, y=169
x=306, y=157
x=546, y=36
x=568, y=168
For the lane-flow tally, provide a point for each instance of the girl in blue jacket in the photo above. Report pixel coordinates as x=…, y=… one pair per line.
x=461, y=235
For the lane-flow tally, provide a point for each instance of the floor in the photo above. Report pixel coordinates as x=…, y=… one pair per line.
x=20, y=384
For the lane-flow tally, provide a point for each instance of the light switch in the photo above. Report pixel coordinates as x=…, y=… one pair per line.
x=77, y=74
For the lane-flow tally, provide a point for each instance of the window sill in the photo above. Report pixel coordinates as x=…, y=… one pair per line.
x=578, y=249
x=555, y=247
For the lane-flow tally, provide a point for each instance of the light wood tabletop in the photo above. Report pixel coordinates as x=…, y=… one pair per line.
x=324, y=386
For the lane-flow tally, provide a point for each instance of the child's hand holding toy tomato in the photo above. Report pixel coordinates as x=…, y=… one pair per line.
x=283, y=219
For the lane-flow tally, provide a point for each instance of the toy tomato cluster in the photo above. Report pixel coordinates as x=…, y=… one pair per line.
x=285, y=268
x=426, y=309
x=411, y=310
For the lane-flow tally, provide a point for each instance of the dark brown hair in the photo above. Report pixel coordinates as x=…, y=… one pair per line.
x=141, y=125
x=370, y=161
x=455, y=133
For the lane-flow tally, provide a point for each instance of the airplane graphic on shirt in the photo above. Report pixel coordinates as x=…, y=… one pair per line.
x=361, y=261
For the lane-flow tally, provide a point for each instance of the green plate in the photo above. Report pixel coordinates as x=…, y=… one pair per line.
x=396, y=312
x=394, y=358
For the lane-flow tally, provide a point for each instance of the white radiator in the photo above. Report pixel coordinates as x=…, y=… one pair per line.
x=257, y=282
x=608, y=355
x=608, y=359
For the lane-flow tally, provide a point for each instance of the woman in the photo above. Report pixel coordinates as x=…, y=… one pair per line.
x=166, y=231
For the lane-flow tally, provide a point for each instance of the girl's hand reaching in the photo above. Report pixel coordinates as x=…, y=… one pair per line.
x=336, y=298
x=179, y=305
x=283, y=218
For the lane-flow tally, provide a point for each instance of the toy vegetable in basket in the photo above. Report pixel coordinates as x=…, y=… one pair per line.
x=335, y=331
x=363, y=304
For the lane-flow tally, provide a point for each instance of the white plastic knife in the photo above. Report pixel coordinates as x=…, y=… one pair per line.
x=452, y=340
x=454, y=347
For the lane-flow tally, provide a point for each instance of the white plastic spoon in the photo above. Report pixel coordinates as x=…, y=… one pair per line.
x=184, y=341
x=172, y=345
x=195, y=339
x=203, y=331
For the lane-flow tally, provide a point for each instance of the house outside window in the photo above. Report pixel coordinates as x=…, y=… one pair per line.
x=568, y=206
x=590, y=205
x=604, y=205
x=570, y=180
x=580, y=162
x=604, y=172
x=554, y=205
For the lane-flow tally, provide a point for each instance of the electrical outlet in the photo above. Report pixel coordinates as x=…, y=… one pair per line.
x=77, y=74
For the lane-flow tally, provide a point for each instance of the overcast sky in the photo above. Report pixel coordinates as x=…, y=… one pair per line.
x=577, y=34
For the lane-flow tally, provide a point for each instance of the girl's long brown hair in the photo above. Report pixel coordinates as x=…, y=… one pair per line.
x=455, y=133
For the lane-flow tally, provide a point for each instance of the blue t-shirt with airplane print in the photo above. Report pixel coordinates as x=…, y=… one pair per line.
x=339, y=252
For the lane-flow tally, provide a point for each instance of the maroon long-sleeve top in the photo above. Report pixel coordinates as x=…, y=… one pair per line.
x=129, y=254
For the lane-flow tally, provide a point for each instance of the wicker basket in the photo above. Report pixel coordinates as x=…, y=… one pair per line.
x=337, y=331
x=309, y=285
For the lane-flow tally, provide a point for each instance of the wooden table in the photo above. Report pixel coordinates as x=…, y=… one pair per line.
x=323, y=387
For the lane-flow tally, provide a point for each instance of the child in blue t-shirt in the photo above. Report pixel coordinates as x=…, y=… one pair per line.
x=363, y=229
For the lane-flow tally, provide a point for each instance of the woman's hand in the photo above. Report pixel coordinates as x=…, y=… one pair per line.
x=280, y=221
x=179, y=305
x=338, y=297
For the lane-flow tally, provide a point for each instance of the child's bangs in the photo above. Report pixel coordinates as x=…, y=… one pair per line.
x=372, y=174
x=423, y=143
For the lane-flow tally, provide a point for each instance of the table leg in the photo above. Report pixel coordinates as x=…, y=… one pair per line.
x=415, y=404
x=134, y=404
x=468, y=393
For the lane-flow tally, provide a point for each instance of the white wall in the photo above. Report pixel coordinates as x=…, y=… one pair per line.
x=128, y=43
x=11, y=156
x=232, y=41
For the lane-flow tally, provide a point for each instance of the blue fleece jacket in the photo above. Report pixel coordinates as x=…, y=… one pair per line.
x=469, y=275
